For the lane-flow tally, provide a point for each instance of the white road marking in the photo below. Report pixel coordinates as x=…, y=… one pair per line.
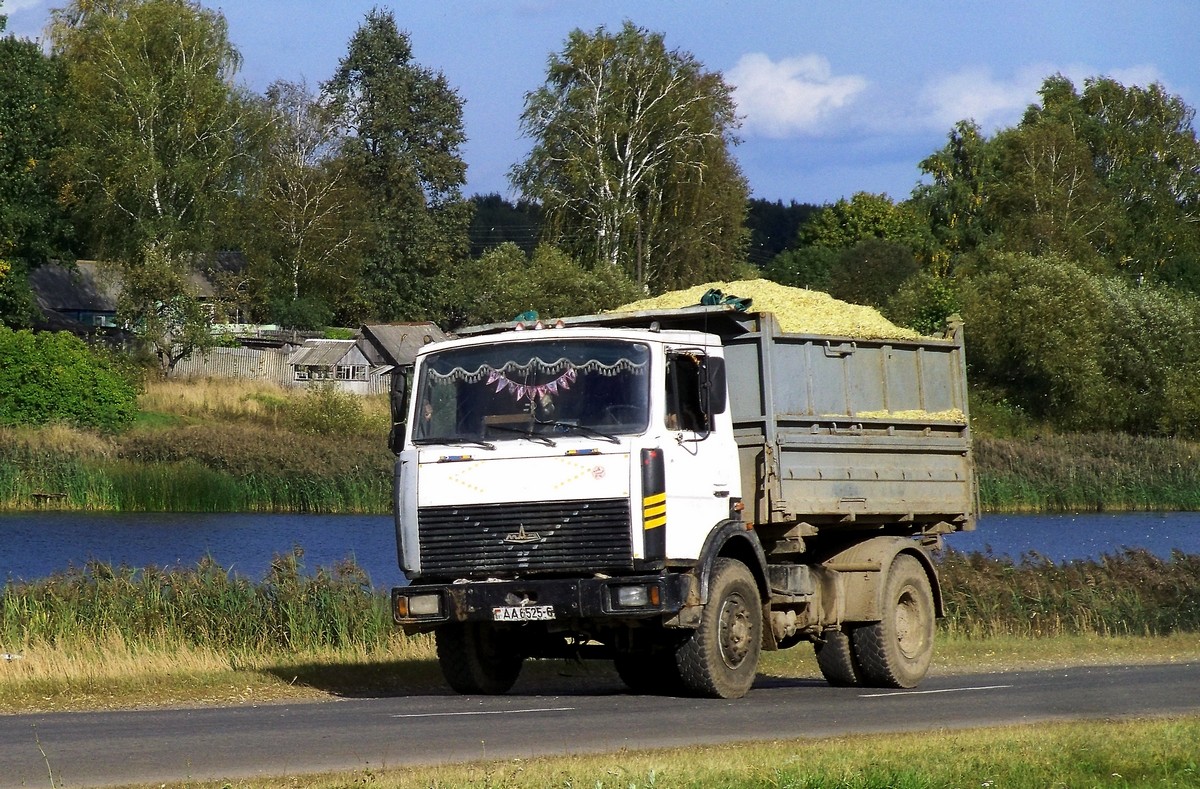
x=481, y=712
x=921, y=692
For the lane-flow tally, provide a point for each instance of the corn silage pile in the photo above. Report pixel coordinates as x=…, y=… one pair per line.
x=798, y=311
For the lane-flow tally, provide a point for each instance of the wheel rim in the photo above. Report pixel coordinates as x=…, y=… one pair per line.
x=910, y=630
x=737, y=630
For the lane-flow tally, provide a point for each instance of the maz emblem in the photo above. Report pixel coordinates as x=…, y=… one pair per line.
x=522, y=537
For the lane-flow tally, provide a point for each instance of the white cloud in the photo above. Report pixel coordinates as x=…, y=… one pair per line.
x=993, y=103
x=793, y=96
x=975, y=94
x=13, y=6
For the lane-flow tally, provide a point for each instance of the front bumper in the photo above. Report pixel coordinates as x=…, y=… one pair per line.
x=560, y=601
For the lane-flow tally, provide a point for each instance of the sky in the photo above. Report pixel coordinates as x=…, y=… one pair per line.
x=836, y=96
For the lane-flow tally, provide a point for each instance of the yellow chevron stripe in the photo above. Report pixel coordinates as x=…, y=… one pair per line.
x=650, y=512
x=654, y=523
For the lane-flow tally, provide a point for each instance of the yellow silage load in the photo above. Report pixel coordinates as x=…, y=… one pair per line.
x=798, y=311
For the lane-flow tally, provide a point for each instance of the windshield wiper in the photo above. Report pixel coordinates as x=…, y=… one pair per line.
x=526, y=434
x=590, y=432
x=455, y=442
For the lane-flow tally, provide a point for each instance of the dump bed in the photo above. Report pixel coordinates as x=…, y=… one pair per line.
x=838, y=431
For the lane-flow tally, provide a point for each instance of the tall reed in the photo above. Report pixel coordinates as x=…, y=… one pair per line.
x=1088, y=472
x=289, y=610
x=196, y=468
x=1127, y=593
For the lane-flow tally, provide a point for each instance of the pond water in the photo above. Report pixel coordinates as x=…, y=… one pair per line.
x=35, y=545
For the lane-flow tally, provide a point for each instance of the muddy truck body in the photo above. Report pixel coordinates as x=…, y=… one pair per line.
x=677, y=491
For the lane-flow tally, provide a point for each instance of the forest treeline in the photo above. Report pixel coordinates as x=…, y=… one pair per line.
x=1069, y=242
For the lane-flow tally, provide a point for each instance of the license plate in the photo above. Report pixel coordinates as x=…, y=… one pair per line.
x=522, y=613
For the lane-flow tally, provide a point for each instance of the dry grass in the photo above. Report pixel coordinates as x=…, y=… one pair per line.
x=118, y=675
x=56, y=438
x=212, y=397
x=225, y=399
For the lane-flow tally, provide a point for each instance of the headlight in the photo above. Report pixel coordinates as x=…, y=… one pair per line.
x=635, y=596
x=418, y=605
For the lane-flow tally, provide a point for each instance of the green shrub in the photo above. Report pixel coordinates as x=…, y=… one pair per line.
x=56, y=377
x=327, y=410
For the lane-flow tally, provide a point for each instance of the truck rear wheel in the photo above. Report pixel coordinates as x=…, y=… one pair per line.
x=720, y=659
x=836, y=659
x=896, y=651
x=478, y=658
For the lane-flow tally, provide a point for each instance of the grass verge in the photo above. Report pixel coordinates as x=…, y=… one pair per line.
x=1130, y=754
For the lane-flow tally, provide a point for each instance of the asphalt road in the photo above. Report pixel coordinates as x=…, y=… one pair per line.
x=104, y=748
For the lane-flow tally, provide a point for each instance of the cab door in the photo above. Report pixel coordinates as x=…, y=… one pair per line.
x=700, y=454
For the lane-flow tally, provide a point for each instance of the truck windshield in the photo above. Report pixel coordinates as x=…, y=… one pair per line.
x=536, y=389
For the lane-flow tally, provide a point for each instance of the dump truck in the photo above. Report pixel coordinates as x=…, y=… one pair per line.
x=677, y=491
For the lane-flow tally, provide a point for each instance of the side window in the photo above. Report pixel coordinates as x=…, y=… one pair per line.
x=685, y=408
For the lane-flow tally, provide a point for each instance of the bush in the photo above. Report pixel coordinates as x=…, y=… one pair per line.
x=55, y=377
x=327, y=410
x=1083, y=351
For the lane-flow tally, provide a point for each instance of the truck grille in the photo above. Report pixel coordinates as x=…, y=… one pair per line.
x=525, y=538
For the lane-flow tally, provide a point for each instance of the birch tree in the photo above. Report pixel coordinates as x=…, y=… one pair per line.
x=306, y=210
x=156, y=129
x=631, y=159
x=155, y=142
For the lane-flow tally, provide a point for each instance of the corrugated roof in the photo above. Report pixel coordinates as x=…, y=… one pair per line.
x=321, y=353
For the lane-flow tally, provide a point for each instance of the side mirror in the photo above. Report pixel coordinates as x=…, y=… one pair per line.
x=713, y=391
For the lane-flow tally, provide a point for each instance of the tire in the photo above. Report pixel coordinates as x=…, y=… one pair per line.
x=478, y=658
x=837, y=661
x=896, y=651
x=648, y=672
x=720, y=659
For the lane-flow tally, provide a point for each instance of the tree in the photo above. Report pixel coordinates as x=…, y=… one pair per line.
x=1109, y=177
x=631, y=161
x=504, y=282
x=871, y=272
x=1037, y=333
x=159, y=300
x=403, y=127
x=496, y=221
x=155, y=133
x=803, y=267
x=871, y=247
x=955, y=204
x=305, y=212
x=155, y=142
x=1143, y=148
x=864, y=216
x=773, y=227
x=33, y=226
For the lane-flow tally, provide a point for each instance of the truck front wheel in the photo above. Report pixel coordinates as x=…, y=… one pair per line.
x=896, y=651
x=720, y=659
x=478, y=658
